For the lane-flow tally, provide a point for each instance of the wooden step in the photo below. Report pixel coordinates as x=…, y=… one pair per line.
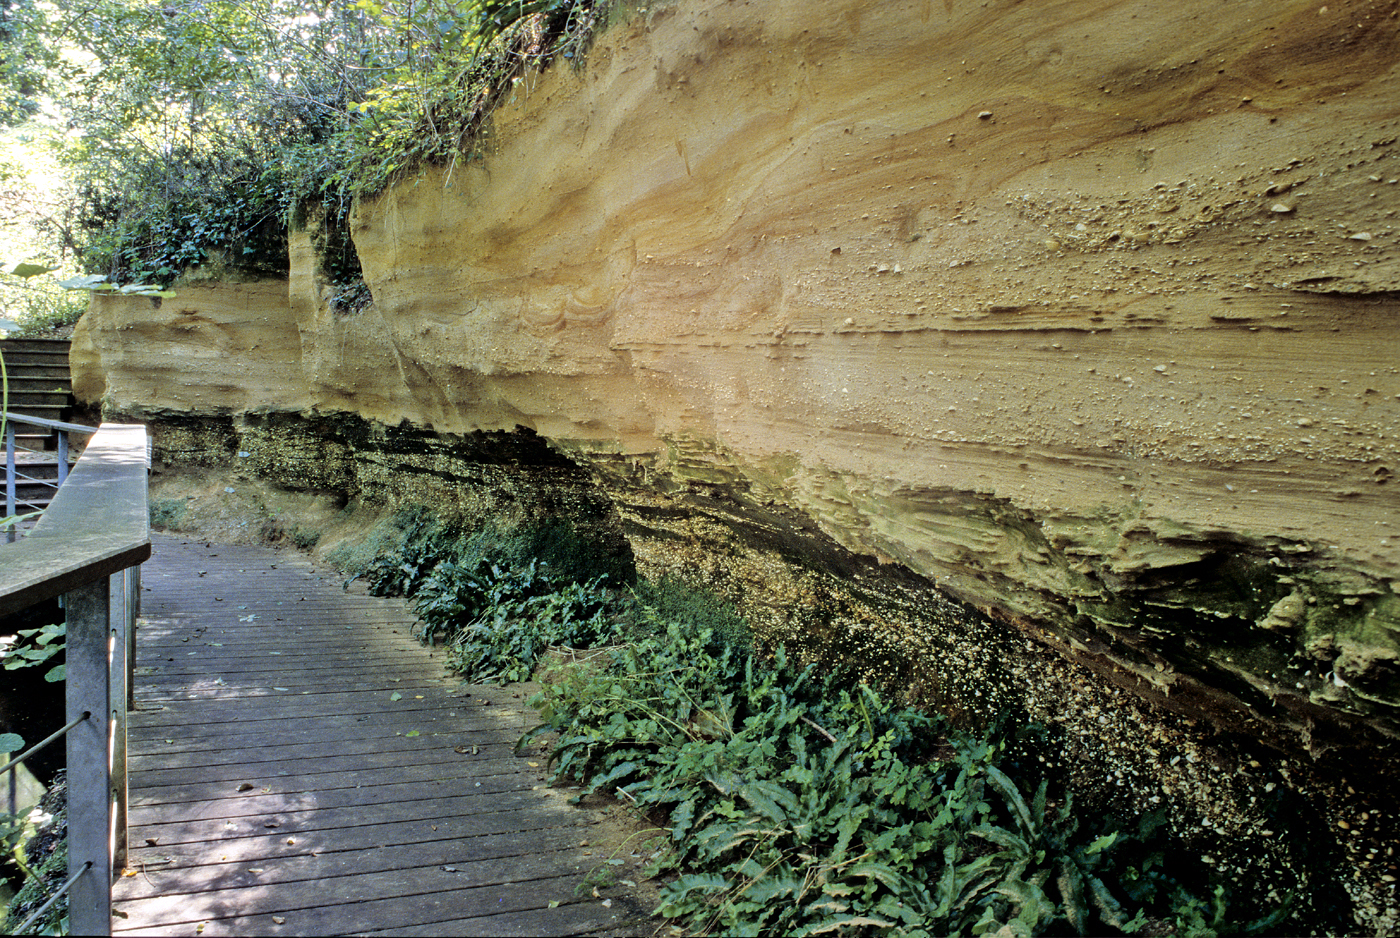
x=37, y=346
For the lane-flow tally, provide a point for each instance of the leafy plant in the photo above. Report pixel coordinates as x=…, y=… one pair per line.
x=499, y=622
x=495, y=596
x=802, y=805
x=34, y=647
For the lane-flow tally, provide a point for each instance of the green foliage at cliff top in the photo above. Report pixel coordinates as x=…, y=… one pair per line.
x=192, y=129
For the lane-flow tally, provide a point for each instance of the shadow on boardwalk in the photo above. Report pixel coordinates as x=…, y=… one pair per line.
x=300, y=765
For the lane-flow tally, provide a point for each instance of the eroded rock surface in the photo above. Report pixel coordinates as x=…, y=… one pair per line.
x=1087, y=313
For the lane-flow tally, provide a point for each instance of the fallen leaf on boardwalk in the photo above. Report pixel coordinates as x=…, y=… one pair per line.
x=272, y=824
x=607, y=903
x=396, y=696
x=417, y=696
x=128, y=873
x=449, y=869
x=152, y=841
x=554, y=903
x=199, y=929
x=246, y=786
x=278, y=920
x=291, y=841
x=533, y=764
x=461, y=750
x=281, y=688
x=412, y=733
x=119, y=913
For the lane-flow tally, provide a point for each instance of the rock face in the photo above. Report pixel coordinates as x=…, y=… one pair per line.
x=1087, y=313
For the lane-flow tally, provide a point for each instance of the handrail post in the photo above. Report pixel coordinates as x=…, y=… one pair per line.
x=90, y=636
x=119, y=671
x=10, y=474
x=62, y=455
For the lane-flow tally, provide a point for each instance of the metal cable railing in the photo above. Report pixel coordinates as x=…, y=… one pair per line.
x=16, y=762
x=59, y=893
x=19, y=457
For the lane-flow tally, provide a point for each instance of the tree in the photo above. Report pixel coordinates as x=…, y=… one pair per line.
x=24, y=60
x=196, y=128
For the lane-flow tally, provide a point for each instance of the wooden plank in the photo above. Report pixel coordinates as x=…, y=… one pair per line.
x=512, y=908
x=366, y=816
x=485, y=858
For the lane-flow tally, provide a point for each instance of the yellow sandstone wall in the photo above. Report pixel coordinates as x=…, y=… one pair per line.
x=1088, y=311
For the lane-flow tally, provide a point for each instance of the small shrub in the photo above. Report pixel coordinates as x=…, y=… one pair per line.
x=167, y=513
x=304, y=538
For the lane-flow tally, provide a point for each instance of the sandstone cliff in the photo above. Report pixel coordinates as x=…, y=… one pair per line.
x=1086, y=312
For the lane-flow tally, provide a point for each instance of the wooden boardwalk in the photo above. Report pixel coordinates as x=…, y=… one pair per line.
x=300, y=765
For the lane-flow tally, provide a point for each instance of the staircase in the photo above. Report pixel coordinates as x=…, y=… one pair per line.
x=40, y=386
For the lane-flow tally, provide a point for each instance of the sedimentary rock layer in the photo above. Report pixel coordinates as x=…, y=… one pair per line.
x=1087, y=312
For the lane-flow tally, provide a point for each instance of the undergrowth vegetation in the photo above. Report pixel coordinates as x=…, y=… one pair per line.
x=797, y=802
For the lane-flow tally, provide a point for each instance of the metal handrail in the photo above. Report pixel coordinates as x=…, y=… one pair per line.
x=50, y=424
x=12, y=474
x=88, y=548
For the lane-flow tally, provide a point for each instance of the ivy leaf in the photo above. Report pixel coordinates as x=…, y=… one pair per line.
x=11, y=742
